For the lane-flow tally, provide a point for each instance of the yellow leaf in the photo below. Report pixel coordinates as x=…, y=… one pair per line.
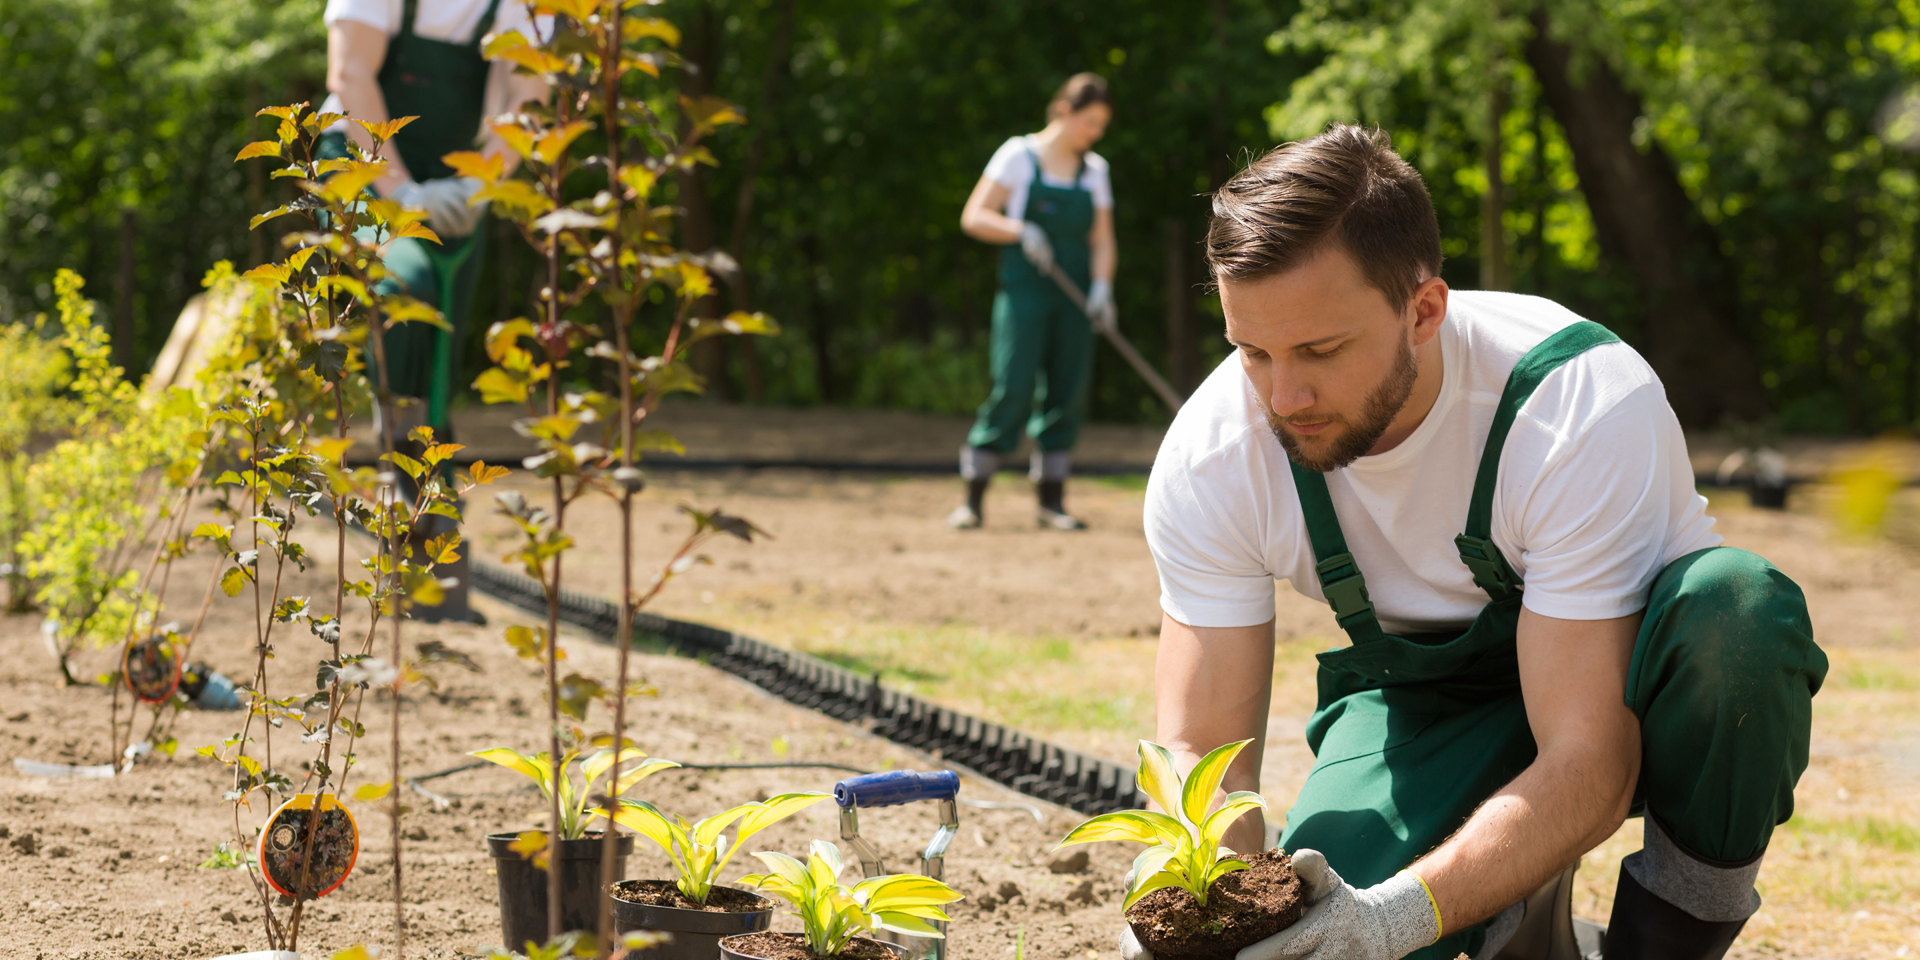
x=553, y=144
x=473, y=163
x=386, y=130
x=370, y=792
x=261, y=148
x=272, y=273
x=634, y=29
x=534, y=59
x=418, y=231
x=639, y=179
x=333, y=448
x=516, y=196
x=483, y=473
x=499, y=43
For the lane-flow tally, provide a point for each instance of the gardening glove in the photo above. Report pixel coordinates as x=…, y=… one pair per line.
x=1130, y=948
x=1383, y=922
x=447, y=203
x=1100, y=308
x=1033, y=243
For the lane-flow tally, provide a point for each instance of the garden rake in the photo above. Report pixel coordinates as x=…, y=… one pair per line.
x=892, y=789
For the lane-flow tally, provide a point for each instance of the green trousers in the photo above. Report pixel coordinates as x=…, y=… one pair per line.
x=1042, y=358
x=1722, y=679
x=422, y=359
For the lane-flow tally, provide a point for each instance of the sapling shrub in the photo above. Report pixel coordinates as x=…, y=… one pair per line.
x=837, y=918
x=1188, y=895
x=699, y=850
x=574, y=778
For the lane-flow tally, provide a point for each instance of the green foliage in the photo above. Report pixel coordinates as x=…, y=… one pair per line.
x=574, y=795
x=834, y=914
x=699, y=850
x=1184, y=848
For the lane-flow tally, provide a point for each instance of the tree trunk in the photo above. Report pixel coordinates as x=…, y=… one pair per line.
x=696, y=223
x=778, y=66
x=1183, y=357
x=1643, y=218
x=1494, y=271
x=1913, y=327
x=821, y=326
x=123, y=290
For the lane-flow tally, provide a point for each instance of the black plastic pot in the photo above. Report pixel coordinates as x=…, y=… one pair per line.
x=728, y=953
x=1769, y=496
x=696, y=933
x=523, y=887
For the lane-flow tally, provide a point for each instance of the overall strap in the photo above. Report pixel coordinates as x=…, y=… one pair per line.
x=1340, y=578
x=485, y=25
x=1039, y=171
x=407, y=10
x=1491, y=572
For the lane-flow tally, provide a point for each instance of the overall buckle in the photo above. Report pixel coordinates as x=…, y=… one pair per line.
x=1345, y=588
x=1491, y=572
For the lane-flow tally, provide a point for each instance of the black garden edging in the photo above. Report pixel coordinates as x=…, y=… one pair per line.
x=990, y=750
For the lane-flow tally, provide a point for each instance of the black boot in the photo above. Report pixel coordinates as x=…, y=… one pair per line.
x=1053, y=507
x=1645, y=927
x=970, y=515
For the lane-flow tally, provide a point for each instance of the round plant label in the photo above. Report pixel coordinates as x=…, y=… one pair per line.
x=283, y=845
x=152, y=668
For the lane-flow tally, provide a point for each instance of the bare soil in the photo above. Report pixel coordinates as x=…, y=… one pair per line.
x=789, y=946
x=1245, y=907
x=1050, y=631
x=663, y=893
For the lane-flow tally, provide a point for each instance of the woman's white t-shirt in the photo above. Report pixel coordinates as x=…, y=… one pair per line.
x=1595, y=495
x=1012, y=167
x=453, y=21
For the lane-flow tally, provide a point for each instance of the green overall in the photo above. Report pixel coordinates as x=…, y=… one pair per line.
x=444, y=85
x=1412, y=733
x=1042, y=350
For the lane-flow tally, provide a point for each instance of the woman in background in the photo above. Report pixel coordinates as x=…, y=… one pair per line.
x=1047, y=200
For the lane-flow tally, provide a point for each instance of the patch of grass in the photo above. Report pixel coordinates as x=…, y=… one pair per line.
x=1871, y=831
x=888, y=668
x=1867, y=675
x=1134, y=482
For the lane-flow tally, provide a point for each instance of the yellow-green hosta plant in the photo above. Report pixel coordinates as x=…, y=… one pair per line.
x=834, y=913
x=699, y=850
x=635, y=766
x=1183, y=845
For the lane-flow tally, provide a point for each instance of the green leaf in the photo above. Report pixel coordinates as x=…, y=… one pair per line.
x=1197, y=795
x=1157, y=777
x=1136, y=826
x=234, y=581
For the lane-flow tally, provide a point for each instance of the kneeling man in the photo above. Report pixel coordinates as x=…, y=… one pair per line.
x=1494, y=497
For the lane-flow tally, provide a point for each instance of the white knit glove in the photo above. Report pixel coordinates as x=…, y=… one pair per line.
x=1033, y=243
x=1100, y=308
x=1383, y=922
x=447, y=201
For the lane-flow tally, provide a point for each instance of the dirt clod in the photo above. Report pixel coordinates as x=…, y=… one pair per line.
x=1074, y=861
x=59, y=852
x=792, y=946
x=417, y=833
x=663, y=893
x=1008, y=890
x=26, y=843
x=1083, y=894
x=1244, y=907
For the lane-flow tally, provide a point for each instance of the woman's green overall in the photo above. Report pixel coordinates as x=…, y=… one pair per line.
x=444, y=85
x=1042, y=344
x=1412, y=733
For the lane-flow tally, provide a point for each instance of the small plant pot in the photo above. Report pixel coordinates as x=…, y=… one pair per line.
x=1768, y=496
x=523, y=887
x=696, y=933
x=1243, y=907
x=734, y=948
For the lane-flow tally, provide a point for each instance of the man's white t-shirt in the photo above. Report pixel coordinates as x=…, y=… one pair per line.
x=1595, y=494
x=453, y=21
x=1013, y=167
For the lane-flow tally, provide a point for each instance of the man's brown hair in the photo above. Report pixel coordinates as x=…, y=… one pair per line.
x=1346, y=186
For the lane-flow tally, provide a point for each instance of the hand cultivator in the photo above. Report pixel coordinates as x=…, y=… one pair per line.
x=891, y=789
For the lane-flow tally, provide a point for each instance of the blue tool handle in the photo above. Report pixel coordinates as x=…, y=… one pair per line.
x=895, y=787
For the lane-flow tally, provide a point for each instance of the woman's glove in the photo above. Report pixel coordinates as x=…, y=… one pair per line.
x=1033, y=243
x=1383, y=922
x=447, y=202
x=1100, y=308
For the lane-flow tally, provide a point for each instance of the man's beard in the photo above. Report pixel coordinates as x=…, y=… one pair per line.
x=1382, y=405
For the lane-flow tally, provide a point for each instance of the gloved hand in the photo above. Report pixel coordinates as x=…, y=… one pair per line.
x=447, y=203
x=1100, y=308
x=1033, y=243
x=1383, y=922
x=1130, y=948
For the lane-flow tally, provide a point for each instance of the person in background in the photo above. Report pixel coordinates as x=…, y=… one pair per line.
x=422, y=58
x=1047, y=200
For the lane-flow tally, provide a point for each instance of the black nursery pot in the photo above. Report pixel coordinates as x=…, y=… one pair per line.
x=728, y=953
x=523, y=887
x=696, y=933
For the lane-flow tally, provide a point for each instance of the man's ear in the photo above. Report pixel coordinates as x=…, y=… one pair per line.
x=1427, y=308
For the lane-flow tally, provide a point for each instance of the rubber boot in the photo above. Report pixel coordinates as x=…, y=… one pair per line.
x=970, y=515
x=1053, y=507
x=1645, y=927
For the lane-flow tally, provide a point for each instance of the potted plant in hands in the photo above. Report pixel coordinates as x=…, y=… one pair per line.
x=836, y=915
x=690, y=906
x=521, y=859
x=1188, y=896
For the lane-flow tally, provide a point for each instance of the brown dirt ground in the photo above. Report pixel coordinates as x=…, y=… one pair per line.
x=1049, y=631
